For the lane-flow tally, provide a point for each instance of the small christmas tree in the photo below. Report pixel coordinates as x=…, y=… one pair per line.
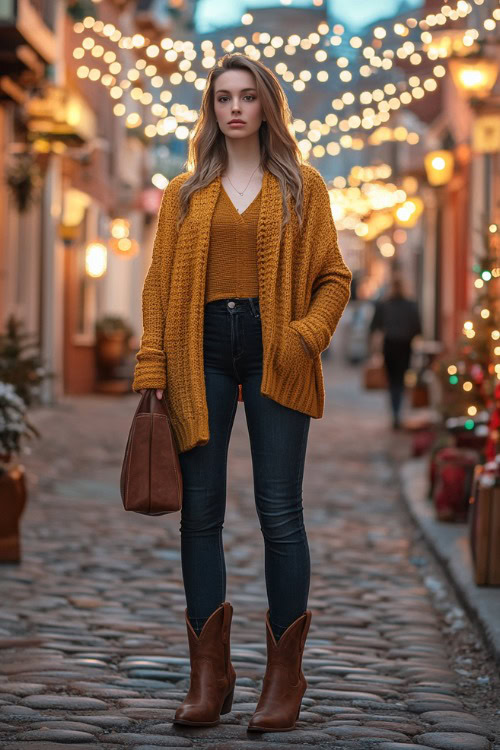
x=21, y=363
x=470, y=373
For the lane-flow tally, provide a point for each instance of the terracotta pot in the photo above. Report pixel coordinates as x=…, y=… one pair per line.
x=111, y=349
x=13, y=498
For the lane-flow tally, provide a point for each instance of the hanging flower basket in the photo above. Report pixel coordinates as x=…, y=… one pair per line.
x=24, y=180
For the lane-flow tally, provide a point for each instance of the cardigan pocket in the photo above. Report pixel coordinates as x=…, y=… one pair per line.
x=301, y=328
x=290, y=353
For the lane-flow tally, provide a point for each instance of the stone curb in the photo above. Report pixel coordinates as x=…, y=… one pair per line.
x=450, y=544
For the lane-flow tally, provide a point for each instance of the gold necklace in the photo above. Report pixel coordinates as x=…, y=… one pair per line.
x=248, y=183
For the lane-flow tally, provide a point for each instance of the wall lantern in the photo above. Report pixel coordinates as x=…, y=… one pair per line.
x=474, y=76
x=439, y=167
x=75, y=203
x=124, y=247
x=120, y=242
x=408, y=213
x=96, y=259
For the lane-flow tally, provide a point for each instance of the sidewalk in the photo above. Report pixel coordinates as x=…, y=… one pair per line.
x=450, y=543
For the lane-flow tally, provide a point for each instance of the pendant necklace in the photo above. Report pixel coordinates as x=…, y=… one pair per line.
x=248, y=183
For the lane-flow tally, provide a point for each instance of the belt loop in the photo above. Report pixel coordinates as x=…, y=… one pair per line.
x=253, y=307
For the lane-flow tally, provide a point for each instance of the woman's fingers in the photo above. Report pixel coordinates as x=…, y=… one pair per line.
x=159, y=392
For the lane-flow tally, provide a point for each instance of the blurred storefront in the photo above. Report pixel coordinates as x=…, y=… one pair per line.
x=29, y=42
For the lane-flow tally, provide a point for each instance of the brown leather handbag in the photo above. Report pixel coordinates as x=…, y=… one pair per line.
x=151, y=479
x=374, y=373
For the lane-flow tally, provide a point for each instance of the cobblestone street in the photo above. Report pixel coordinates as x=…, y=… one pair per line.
x=93, y=647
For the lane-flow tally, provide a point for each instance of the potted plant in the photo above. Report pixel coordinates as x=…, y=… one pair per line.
x=13, y=426
x=113, y=335
x=21, y=373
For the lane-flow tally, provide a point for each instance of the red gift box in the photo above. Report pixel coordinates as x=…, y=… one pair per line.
x=451, y=474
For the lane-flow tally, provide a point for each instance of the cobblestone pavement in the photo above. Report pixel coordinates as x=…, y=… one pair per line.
x=93, y=648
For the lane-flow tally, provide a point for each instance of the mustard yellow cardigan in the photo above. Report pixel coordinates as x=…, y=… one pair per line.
x=304, y=286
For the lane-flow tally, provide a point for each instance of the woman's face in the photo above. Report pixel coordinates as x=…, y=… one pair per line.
x=235, y=98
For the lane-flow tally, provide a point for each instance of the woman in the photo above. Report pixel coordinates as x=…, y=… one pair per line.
x=246, y=286
x=398, y=318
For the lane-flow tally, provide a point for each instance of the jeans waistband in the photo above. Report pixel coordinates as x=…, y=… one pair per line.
x=235, y=304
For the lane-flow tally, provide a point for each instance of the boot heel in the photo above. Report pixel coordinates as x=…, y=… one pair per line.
x=228, y=702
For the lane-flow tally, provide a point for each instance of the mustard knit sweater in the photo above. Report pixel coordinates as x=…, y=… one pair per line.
x=232, y=253
x=304, y=286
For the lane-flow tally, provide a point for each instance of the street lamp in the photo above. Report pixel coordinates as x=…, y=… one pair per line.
x=474, y=76
x=439, y=167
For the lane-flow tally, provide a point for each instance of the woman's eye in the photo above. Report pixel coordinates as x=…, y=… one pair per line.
x=245, y=97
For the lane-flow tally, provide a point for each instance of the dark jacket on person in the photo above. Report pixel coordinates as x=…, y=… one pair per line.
x=398, y=318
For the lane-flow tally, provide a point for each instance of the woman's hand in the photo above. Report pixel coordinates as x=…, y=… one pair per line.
x=159, y=392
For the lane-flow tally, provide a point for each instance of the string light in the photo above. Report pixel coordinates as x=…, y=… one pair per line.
x=365, y=206
x=165, y=126
x=139, y=41
x=369, y=119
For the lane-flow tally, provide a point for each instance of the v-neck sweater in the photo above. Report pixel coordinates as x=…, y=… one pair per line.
x=304, y=286
x=232, y=253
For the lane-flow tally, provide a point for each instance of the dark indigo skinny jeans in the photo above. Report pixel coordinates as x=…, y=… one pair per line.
x=232, y=342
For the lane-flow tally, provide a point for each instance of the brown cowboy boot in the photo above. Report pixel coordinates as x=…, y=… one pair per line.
x=212, y=678
x=284, y=683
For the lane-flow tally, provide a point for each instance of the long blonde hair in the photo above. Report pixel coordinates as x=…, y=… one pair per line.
x=279, y=150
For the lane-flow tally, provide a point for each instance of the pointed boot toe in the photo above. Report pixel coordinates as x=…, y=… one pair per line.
x=264, y=722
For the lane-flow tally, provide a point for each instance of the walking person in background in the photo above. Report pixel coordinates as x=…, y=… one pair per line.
x=397, y=318
x=246, y=286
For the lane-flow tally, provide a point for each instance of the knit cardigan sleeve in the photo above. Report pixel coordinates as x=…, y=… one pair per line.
x=150, y=370
x=331, y=289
